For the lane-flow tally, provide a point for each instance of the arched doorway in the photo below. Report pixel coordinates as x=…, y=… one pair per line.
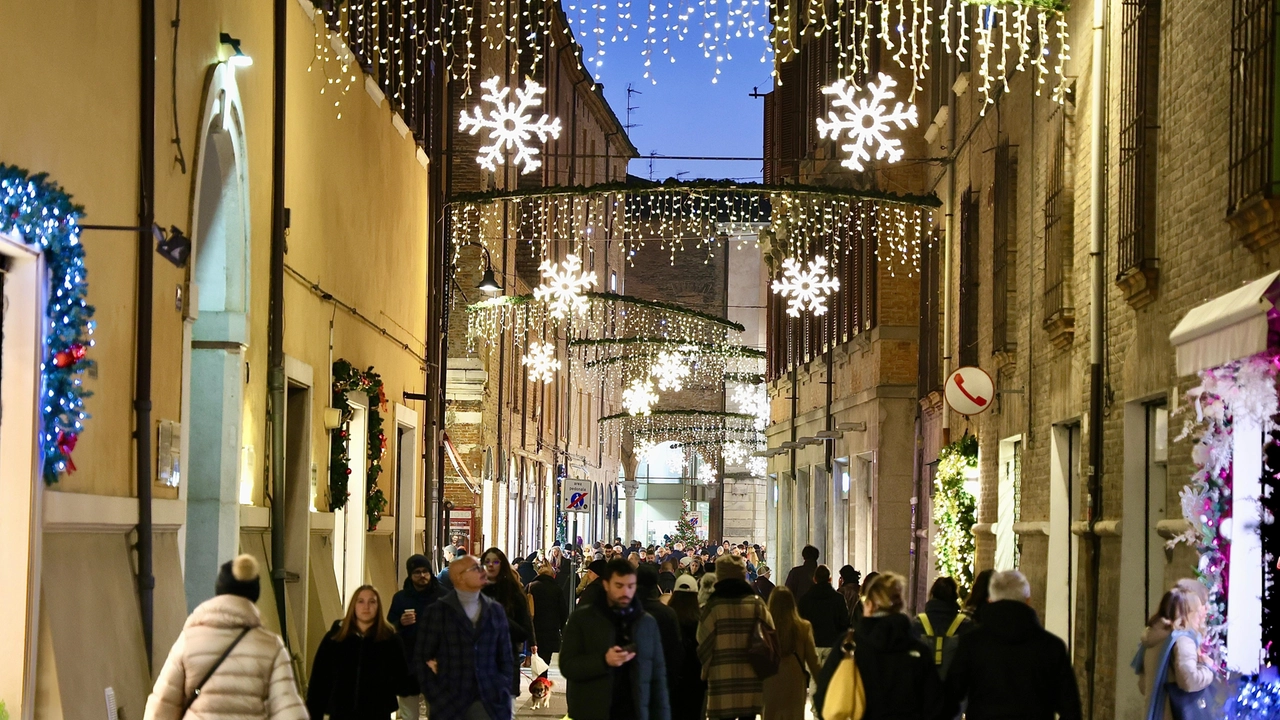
x=216, y=337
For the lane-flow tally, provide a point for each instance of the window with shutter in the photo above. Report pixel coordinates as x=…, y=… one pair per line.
x=1004, y=208
x=770, y=139
x=790, y=111
x=1139, y=91
x=1059, y=213
x=969, y=279
x=1253, y=206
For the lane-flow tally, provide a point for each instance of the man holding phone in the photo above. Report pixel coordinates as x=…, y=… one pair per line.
x=407, y=607
x=611, y=655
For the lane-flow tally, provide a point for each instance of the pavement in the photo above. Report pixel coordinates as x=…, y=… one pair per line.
x=557, y=708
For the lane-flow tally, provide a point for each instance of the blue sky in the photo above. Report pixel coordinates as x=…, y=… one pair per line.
x=684, y=113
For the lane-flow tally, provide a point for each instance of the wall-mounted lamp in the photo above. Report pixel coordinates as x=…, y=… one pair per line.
x=173, y=246
x=235, y=56
x=332, y=419
x=488, y=282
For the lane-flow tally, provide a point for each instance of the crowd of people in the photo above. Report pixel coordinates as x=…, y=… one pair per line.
x=663, y=633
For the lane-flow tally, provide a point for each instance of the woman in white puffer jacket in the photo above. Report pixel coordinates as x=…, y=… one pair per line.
x=254, y=681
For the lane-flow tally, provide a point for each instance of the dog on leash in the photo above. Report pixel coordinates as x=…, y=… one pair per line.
x=540, y=689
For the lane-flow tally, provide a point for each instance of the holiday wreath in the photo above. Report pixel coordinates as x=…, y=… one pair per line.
x=346, y=378
x=43, y=216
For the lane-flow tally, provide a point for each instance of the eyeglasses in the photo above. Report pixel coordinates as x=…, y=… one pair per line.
x=493, y=563
x=473, y=567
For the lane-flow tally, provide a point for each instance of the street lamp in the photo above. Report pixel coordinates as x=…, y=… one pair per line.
x=235, y=56
x=488, y=282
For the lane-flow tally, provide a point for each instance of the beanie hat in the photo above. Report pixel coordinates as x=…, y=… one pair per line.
x=647, y=576
x=416, y=562
x=686, y=583
x=686, y=561
x=598, y=567
x=239, y=577
x=730, y=567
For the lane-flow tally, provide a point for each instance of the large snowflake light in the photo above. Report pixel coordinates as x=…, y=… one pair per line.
x=735, y=453
x=866, y=121
x=806, y=287
x=564, y=286
x=639, y=398
x=541, y=361
x=670, y=370
x=757, y=466
x=753, y=400
x=510, y=125
x=707, y=474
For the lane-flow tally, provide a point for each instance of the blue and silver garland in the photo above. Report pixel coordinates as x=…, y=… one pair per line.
x=43, y=216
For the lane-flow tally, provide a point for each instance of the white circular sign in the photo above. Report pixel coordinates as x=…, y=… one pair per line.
x=969, y=391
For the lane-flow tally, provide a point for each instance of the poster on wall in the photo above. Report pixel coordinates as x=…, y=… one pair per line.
x=461, y=530
x=576, y=495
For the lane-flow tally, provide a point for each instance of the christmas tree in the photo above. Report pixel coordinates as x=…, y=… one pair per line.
x=685, y=531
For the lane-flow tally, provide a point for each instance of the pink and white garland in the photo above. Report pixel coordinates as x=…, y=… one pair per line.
x=1240, y=389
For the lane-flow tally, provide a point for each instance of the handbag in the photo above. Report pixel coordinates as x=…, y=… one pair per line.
x=1191, y=705
x=846, y=698
x=195, y=695
x=537, y=665
x=762, y=650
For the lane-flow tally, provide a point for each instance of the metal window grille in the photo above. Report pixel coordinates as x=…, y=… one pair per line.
x=1253, y=96
x=1017, y=501
x=1140, y=62
x=930, y=352
x=969, y=281
x=1059, y=207
x=1002, y=258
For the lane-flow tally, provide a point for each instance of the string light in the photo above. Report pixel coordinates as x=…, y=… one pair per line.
x=541, y=361
x=639, y=398
x=510, y=125
x=865, y=123
x=670, y=370
x=563, y=287
x=806, y=289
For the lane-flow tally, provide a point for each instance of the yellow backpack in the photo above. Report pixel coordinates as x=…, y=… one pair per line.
x=938, y=640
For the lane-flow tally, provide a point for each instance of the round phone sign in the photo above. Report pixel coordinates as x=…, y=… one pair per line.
x=969, y=391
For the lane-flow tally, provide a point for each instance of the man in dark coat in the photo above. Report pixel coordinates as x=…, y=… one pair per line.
x=650, y=596
x=593, y=591
x=408, y=607
x=549, y=611
x=800, y=579
x=826, y=610
x=1010, y=666
x=464, y=660
x=612, y=655
x=527, y=569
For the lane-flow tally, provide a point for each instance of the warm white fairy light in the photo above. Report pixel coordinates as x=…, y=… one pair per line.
x=541, y=361
x=670, y=370
x=806, y=288
x=510, y=125
x=639, y=398
x=866, y=122
x=563, y=286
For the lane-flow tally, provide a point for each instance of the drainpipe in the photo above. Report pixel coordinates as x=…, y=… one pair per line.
x=142, y=353
x=275, y=330
x=949, y=235
x=1097, y=228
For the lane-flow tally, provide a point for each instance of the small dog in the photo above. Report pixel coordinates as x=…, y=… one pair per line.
x=540, y=689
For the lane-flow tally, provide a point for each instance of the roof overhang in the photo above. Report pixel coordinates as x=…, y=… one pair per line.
x=1227, y=328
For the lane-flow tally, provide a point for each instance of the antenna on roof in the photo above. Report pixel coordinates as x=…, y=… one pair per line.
x=631, y=91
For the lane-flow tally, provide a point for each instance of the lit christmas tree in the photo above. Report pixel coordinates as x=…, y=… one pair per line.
x=685, y=531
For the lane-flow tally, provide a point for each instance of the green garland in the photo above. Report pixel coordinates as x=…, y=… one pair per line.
x=346, y=378
x=955, y=511
x=1049, y=5
x=629, y=299
x=725, y=186
x=685, y=413
x=725, y=349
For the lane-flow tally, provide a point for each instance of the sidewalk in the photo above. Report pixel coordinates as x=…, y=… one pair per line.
x=558, y=707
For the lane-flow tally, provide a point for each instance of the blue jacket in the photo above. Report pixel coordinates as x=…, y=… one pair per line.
x=474, y=661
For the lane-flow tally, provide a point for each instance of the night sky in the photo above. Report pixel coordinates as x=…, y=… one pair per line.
x=684, y=113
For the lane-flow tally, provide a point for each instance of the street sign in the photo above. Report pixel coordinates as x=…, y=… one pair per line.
x=969, y=391
x=577, y=495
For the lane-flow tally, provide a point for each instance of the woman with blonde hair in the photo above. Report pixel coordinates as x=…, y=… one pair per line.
x=786, y=692
x=896, y=667
x=359, y=669
x=1175, y=673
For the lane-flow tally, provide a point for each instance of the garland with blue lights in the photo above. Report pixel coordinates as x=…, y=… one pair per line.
x=42, y=215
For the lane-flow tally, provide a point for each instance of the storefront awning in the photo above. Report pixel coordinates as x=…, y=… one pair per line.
x=1226, y=328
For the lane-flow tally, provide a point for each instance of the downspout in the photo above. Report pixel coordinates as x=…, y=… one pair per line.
x=949, y=235
x=435, y=279
x=1097, y=228
x=142, y=352
x=443, y=295
x=275, y=329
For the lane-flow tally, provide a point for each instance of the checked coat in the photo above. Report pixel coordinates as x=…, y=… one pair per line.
x=733, y=688
x=474, y=661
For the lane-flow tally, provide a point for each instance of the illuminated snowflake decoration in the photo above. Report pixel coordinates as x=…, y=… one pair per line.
x=736, y=453
x=757, y=466
x=753, y=400
x=639, y=398
x=806, y=288
x=866, y=122
x=670, y=370
x=707, y=474
x=564, y=286
x=510, y=125
x=541, y=361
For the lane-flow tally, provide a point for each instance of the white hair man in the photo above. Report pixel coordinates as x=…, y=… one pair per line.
x=1010, y=666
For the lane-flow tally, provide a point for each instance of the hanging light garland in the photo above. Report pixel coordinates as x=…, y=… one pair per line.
x=42, y=215
x=682, y=426
x=616, y=360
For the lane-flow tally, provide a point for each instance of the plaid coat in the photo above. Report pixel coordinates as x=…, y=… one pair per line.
x=733, y=688
x=474, y=661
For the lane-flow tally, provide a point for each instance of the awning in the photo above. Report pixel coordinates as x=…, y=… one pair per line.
x=1227, y=328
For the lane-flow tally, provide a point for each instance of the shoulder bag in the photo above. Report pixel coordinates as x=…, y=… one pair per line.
x=195, y=695
x=762, y=649
x=846, y=698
